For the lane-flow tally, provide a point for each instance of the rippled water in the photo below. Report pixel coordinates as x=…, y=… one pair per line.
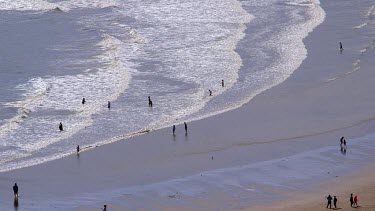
x=58, y=52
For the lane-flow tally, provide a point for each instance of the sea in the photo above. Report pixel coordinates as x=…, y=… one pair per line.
x=54, y=53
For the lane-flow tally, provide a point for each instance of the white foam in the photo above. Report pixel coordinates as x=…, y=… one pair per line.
x=35, y=91
x=45, y=5
x=64, y=93
x=291, y=49
x=360, y=26
x=371, y=12
x=200, y=60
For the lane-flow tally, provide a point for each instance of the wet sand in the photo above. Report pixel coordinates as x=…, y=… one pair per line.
x=326, y=98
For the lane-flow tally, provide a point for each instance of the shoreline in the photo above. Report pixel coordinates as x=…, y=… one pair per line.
x=256, y=132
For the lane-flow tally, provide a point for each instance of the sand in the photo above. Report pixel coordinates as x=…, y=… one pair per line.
x=322, y=101
x=361, y=184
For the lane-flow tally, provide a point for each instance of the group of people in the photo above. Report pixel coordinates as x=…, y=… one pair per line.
x=353, y=201
x=149, y=105
x=222, y=85
x=61, y=128
x=174, y=128
x=329, y=201
x=109, y=106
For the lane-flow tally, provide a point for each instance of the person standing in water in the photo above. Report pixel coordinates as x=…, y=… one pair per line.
x=210, y=92
x=61, y=127
x=342, y=141
x=83, y=101
x=15, y=190
x=341, y=48
x=77, y=149
x=104, y=208
x=149, y=102
x=109, y=105
x=185, y=127
x=174, y=129
x=222, y=83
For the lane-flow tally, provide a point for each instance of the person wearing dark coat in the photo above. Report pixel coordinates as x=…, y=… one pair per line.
x=329, y=201
x=15, y=190
x=335, y=202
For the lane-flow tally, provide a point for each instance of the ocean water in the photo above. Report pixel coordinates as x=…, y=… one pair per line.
x=54, y=53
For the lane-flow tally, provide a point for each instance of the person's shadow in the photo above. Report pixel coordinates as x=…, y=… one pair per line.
x=15, y=203
x=343, y=150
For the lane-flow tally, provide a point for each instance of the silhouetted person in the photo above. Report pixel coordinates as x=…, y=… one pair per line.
x=351, y=200
x=61, y=127
x=185, y=127
x=329, y=201
x=341, y=48
x=109, y=105
x=335, y=202
x=210, y=92
x=149, y=102
x=77, y=149
x=342, y=141
x=355, y=201
x=105, y=208
x=15, y=190
x=174, y=129
x=83, y=101
x=222, y=83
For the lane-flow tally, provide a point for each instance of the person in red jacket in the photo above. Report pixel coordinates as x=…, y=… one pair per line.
x=355, y=201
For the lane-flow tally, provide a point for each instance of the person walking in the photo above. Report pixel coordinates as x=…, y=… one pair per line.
x=185, y=127
x=210, y=92
x=351, y=200
x=174, y=129
x=15, y=190
x=335, y=202
x=329, y=201
x=355, y=201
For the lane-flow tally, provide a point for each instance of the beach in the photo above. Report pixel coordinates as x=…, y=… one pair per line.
x=279, y=151
x=360, y=184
